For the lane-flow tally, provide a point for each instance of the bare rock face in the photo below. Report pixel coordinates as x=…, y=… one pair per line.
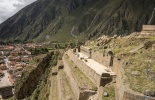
x=28, y=86
x=149, y=93
x=148, y=44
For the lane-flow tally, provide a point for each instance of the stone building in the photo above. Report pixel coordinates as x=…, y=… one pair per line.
x=148, y=28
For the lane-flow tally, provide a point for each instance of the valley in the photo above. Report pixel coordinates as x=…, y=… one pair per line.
x=78, y=50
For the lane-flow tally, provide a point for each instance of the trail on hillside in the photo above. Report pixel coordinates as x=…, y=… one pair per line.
x=151, y=16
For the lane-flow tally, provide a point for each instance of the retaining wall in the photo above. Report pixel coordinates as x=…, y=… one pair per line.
x=100, y=58
x=121, y=92
x=119, y=87
x=86, y=51
x=90, y=73
x=148, y=28
x=60, y=86
x=131, y=96
x=80, y=94
x=72, y=80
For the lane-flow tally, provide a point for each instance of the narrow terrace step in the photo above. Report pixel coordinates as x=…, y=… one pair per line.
x=65, y=90
x=54, y=89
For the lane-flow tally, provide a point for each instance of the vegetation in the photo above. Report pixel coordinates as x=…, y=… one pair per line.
x=36, y=51
x=41, y=91
x=74, y=20
x=67, y=87
x=10, y=98
x=54, y=87
x=136, y=54
x=111, y=92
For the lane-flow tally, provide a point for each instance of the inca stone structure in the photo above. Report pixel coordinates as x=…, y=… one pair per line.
x=148, y=30
x=79, y=77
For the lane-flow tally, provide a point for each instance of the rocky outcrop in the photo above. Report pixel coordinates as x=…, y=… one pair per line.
x=29, y=85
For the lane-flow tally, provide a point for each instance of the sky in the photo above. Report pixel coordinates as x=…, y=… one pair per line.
x=9, y=7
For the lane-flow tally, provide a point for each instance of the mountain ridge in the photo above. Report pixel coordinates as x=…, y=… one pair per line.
x=58, y=21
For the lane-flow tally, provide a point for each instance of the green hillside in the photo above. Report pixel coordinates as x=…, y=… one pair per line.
x=69, y=20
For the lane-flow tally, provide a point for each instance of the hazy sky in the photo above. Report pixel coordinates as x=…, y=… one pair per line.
x=10, y=7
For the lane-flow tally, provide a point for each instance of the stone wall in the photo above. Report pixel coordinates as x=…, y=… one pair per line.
x=100, y=58
x=60, y=86
x=71, y=78
x=119, y=87
x=131, y=96
x=86, y=51
x=79, y=93
x=96, y=55
x=148, y=28
x=90, y=73
x=121, y=92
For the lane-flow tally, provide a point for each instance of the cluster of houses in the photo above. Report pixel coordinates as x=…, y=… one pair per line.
x=14, y=58
x=13, y=61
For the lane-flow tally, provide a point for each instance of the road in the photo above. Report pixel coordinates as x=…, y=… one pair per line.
x=5, y=80
x=6, y=62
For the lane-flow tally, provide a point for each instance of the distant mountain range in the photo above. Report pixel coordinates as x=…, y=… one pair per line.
x=68, y=20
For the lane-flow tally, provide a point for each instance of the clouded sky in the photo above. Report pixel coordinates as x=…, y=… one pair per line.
x=10, y=7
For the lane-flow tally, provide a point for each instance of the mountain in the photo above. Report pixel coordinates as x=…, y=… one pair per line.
x=67, y=20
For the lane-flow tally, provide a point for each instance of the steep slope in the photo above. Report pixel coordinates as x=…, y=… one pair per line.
x=64, y=20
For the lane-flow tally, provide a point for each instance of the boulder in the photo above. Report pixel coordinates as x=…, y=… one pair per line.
x=146, y=92
x=149, y=93
x=152, y=93
x=135, y=73
x=153, y=47
x=105, y=94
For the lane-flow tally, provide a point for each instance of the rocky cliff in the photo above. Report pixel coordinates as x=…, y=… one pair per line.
x=63, y=20
x=32, y=85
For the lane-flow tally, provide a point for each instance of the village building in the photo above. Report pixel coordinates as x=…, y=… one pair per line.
x=2, y=62
x=1, y=73
x=1, y=48
x=3, y=67
x=1, y=57
x=9, y=48
x=16, y=59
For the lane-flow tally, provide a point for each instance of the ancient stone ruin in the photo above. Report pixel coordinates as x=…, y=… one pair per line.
x=148, y=30
x=79, y=77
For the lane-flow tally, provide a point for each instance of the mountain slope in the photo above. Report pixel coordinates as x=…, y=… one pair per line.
x=64, y=20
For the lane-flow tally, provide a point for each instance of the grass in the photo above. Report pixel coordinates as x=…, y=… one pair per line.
x=141, y=63
x=111, y=92
x=9, y=98
x=138, y=61
x=67, y=87
x=141, y=60
x=54, y=88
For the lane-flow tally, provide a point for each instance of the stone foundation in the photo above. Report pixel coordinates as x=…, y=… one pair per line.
x=81, y=94
x=93, y=76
